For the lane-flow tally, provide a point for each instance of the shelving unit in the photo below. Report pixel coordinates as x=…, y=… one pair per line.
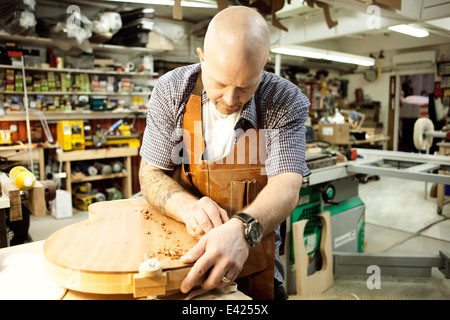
x=443, y=70
x=96, y=47
x=88, y=71
x=74, y=115
x=95, y=154
x=116, y=97
x=145, y=78
x=90, y=93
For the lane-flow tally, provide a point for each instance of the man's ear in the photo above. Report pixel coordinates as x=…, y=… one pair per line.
x=201, y=54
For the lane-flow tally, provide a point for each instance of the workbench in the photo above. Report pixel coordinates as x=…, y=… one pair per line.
x=23, y=277
x=373, y=140
x=124, y=153
x=20, y=154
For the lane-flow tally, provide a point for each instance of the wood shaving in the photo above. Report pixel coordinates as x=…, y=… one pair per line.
x=146, y=213
x=174, y=253
x=149, y=216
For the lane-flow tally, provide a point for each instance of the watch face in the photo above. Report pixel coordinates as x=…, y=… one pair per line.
x=255, y=232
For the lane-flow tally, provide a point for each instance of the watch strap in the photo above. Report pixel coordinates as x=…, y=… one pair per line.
x=247, y=219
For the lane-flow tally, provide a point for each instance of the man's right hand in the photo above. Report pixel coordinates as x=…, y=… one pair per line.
x=203, y=216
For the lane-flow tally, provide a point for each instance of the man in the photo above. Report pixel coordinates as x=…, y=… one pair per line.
x=198, y=117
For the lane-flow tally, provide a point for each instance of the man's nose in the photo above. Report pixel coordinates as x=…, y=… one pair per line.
x=231, y=97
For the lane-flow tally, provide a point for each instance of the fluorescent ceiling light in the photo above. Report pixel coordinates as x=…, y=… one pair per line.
x=443, y=23
x=410, y=31
x=300, y=51
x=191, y=4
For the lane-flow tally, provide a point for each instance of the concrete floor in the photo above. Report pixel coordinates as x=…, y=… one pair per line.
x=399, y=219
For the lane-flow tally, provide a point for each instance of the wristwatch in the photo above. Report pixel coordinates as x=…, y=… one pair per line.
x=253, y=229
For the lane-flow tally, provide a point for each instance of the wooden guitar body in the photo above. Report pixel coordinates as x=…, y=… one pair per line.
x=103, y=254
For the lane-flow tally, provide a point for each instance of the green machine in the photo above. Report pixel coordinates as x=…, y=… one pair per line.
x=347, y=221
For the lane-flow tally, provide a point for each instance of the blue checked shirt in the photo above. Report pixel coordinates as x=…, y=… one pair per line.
x=279, y=103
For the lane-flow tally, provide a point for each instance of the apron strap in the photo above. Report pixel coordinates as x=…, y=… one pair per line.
x=198, y=89
x=192, y=122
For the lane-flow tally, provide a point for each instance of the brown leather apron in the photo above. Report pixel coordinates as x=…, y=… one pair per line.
x=233, y=183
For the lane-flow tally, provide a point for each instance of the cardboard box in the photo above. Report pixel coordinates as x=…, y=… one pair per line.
x=334, y=133
x=372, y=129
x=396, y=4
x=61, y=206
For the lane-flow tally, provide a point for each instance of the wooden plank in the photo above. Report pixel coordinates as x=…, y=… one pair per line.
x=145, y=286
x=13, y=193
x=322, y=279
x=93, y=154
x=177, y=13
x=126, y=182
x=36, y=201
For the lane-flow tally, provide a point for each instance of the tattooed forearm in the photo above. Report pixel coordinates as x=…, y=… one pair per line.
x=156, y=186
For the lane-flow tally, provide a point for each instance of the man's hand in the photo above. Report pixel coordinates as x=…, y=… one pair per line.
x=222, y=251
x=203, y=216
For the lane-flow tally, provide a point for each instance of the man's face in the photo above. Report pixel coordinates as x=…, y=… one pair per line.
x=229, y=84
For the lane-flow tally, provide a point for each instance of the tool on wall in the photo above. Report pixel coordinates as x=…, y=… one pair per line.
x=380, y=64
x=270, y=7
x=45, y=126
x=326, y=11
x=370, y=74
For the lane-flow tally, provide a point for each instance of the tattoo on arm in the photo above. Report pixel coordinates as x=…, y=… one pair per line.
x=157, y=187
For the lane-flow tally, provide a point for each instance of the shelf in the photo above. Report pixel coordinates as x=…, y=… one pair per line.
x=70, y=70
x=99, y=177
x=92, y=154
x=72, y=115
x=38, y=41
x=90, y=93
x=124, y=153
x=443, y=68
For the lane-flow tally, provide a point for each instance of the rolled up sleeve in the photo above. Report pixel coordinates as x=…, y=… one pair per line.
x=159, y=138
x=286, y=136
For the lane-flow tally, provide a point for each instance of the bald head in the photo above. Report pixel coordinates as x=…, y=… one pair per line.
x=238, y=32
x=236, y=49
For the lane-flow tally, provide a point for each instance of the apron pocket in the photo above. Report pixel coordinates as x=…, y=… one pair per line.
x=242, y=194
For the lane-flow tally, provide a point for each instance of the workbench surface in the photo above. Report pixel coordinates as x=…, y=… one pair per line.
x=23, y=277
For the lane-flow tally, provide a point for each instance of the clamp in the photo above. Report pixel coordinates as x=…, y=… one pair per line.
x=152, y=281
